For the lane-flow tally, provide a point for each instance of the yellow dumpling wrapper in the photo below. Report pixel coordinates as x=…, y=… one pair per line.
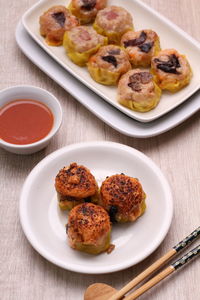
x=94, y=249
x=103, y=76
x=126, y=219
x=172, y=86
x=79, y=58
x=142, y=106
x=113, y=37
x=68, y=205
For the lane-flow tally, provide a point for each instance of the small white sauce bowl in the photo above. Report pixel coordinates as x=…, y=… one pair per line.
x=35, y=93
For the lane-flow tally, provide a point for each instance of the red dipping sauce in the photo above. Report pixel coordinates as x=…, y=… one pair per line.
x=25, y=121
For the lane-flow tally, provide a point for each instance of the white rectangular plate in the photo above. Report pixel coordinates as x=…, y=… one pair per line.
x=144, y=18
x=103, y=110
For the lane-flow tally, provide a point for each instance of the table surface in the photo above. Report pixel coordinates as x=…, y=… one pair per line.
x=27, y=275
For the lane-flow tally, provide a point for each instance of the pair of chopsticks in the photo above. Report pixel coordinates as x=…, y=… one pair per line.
x=155, y=266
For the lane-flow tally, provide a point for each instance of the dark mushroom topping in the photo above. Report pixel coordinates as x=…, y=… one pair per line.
x=88, y=4
x=137, y=79
x=146, y=47
x=114, y=52
x=60, y=18
x=135, y=86
x=112, y=213
x=169, y=66
x=136, y=42
x=174, y=58
x=110, y=59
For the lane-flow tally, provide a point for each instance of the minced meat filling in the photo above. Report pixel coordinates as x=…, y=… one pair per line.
x=146, y=47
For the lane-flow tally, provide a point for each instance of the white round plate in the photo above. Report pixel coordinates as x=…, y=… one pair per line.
x=44, y=223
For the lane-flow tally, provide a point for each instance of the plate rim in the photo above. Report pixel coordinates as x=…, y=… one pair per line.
x=131, y=114
x=74, y=267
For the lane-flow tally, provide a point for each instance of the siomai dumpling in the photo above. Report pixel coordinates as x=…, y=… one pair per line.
x=171, y=70
x=113, y=22
x=138, y=91
x=54, y=22
x=81, y=42
x=86, y=10
x=108, y=64
x=89, y=228
x=123, y=197
x=74, y=185
x=141, y=46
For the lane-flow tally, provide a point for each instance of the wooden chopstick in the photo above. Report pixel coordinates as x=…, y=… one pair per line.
x=156, y=265
x=166, y=272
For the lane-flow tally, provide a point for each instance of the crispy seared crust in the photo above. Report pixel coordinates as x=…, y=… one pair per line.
x=73, y=184
x=75, y=181
x=89, y=228
x=124, y=196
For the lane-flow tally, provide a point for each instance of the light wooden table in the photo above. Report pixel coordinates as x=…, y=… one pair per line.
x=24, y=273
